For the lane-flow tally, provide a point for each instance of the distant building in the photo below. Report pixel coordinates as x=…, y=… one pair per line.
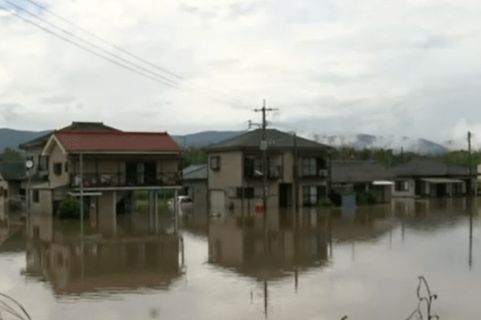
x=194, y=180
x=354, y=177
x=297, y=171
x=431, y=178
x=11, y=176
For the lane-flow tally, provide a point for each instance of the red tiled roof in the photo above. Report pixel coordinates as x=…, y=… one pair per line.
x=116, y=141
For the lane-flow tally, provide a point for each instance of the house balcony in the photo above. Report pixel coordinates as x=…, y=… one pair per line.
x=275, y=172
x=120, y=180
x=319, y=174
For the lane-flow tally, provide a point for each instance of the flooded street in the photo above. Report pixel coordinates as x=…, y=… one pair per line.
x=323, y=265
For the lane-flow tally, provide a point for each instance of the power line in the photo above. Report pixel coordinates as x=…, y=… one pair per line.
x=138, y=58
x=88, y=49
x=113, y=55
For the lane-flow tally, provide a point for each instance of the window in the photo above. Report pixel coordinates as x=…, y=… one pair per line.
x=57, y=168
x=66, y=167
x=214, y=162
x=253, y=167
x=245, y=193
x=309, y=167
x=35, y=196
x=310, y=195
x=401, y=185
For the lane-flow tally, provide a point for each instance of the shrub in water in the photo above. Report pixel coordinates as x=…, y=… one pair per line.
x=69, y=208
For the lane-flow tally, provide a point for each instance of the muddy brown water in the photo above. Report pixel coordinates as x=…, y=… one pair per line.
x=324, y=264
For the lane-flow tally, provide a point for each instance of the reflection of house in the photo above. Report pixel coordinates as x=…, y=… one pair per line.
x=357, y=177
x=98, y=263
x=194, y=180
x=11, y=176
x=112, y=163
x=236, y=171
x=430, y=178
x=243, y=245
x=362, y=224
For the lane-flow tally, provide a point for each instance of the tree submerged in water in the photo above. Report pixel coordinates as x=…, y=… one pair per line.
x=423, y=310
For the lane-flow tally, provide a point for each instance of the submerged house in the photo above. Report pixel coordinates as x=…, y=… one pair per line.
x=354, y=177
x=112, y=164
x=11, y=176
x=431, y=178
x=297, y=171
x=194, y=178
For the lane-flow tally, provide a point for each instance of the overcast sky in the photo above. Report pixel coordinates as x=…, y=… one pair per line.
x=407, y=67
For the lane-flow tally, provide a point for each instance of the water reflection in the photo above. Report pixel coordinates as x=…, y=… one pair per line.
x=313, y=264
x=95, y=263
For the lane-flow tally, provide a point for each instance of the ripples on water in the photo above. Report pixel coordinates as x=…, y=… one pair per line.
x=320, y=264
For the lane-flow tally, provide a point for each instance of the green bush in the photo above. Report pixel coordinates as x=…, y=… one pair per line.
x=69, y=208
x=365, y=199
x=325, y=203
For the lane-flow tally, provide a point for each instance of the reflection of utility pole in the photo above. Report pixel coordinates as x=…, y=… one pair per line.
x=266, y=299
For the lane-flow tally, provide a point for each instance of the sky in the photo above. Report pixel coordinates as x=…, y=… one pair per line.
x=382, y=67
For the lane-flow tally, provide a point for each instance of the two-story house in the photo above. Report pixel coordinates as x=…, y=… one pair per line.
x=111, y=164
x=297, y=171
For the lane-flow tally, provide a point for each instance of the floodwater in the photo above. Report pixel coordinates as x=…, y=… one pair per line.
x=243, y=265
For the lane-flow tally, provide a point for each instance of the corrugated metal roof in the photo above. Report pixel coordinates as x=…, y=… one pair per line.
x=195, y=172
x=116, y=141
x=352, y=171
x=429, y=167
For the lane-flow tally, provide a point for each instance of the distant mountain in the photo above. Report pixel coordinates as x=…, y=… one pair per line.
x=396, y=143
x=204, y=138
x=10, y=138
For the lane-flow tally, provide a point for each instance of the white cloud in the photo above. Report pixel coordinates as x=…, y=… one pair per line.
x=372, y=66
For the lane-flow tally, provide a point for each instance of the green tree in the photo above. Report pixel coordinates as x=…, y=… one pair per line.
x=10, y=155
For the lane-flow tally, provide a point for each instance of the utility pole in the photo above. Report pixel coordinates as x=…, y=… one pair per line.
x=471, y=182
x=263, y=147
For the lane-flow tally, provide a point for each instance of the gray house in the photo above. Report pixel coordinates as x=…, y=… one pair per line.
x=11, y=176
x=431, y=178
x=194, y=180
x=297, y=171
x=354, y=177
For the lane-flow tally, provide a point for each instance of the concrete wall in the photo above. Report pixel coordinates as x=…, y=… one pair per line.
x=57, y=156
x=230, y=172
x=44, y=204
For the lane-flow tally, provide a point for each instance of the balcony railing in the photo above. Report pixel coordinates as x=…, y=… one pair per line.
x=121, y=179
x=275, y=172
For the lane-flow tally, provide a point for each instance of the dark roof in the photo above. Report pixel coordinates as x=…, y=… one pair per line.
x=37, y=142
x=75, y=126
x=116, y=141
x=195, y=172
x=14, y=170
x=276, y=140
x=351, y=171
x=429, y=167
